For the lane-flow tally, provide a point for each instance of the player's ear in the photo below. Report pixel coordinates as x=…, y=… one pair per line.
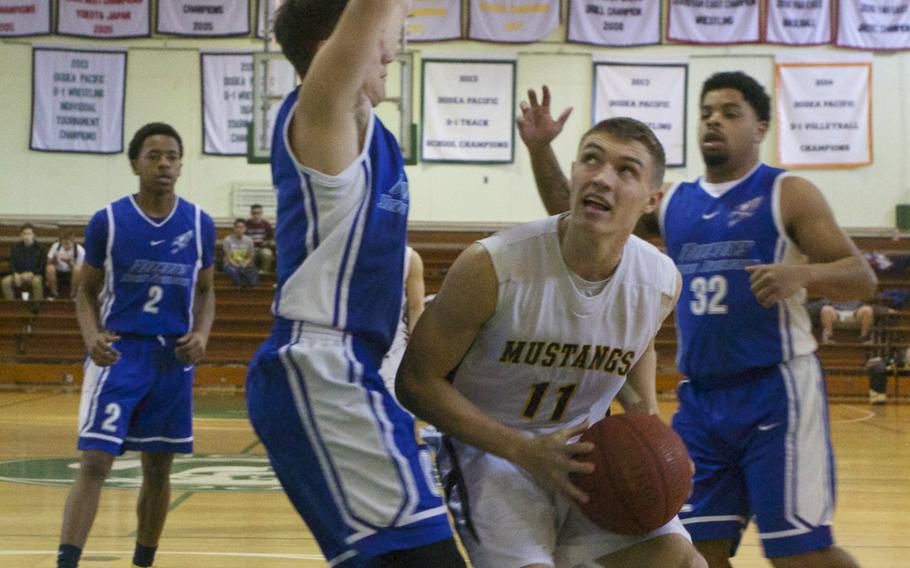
x=761, y=131
x=135, y=166
x=653, y=201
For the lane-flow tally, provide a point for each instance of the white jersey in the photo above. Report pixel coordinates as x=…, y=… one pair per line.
x=551, y=356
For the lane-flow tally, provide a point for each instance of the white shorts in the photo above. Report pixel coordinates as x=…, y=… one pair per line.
x=518, y=522
x=846, y=316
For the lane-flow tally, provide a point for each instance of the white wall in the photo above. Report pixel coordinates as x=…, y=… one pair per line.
x=163, y=84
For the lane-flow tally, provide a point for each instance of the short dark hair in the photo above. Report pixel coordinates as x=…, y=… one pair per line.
x=301, y=24
x=239, y=220
x=255, y=206
x=751, y=90
x=625, y=128
x=152, y=129
x=27, y=226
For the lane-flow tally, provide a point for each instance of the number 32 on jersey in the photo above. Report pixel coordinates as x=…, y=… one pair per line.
x=708, y=295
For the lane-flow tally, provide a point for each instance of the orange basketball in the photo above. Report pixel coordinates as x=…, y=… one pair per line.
x=642, y=474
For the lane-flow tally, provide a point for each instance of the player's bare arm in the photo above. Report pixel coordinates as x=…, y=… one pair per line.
x=191, y=347
x=97, y=341
x=415, y=290
x=443, y=335
x=538, y=129
x=331, y=108
x=836, y=268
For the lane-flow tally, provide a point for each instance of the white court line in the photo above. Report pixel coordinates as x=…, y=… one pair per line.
x=866, y=415
x=89, y=553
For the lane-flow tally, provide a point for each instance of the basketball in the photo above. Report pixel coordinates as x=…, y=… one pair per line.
x=642, y=474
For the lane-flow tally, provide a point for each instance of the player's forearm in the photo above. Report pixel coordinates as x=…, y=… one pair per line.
x=87, y=311
x=552, y=184
x=204, y=311
x=849, y=278
x=639, y=394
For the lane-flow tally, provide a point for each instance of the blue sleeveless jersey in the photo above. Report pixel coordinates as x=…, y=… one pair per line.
x=341, y=239
x=150, y=267
x=723, y=331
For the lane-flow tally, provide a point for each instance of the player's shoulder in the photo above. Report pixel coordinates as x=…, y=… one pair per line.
x=526, y=231
x=648, y=265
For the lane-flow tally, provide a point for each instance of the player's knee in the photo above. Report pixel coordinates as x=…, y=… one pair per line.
x=95, y=466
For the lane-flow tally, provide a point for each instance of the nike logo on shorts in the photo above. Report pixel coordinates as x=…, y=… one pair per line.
x=766, y=427
x=710, y=215
x=156, y=243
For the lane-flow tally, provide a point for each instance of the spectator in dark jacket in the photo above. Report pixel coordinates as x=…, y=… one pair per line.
x=27, y=266
x=261, y=232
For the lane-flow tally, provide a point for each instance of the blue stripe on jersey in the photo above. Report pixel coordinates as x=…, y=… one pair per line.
x=723, y=330
x=313, y=236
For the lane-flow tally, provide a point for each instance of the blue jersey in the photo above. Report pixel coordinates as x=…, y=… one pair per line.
x=723, y=330
x=341, y=239
x=150, y=266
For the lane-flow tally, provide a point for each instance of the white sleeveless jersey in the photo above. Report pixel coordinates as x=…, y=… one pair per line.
x=551, y=356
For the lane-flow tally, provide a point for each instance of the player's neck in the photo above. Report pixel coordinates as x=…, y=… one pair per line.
x=593, y=257
x=730, y=172
x=154, y=204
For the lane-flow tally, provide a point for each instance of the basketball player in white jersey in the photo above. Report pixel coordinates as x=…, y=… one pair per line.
x=749, y=240
x=546, y=323
x=411, y=308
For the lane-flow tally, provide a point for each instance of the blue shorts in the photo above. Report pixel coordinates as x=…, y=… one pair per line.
x=143, y=402
x=761, y=448
x=342, y=447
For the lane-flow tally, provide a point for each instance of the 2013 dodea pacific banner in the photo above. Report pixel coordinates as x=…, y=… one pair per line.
x=208, y=18
x=227, y=95
x=77, y=100
x=20, y=18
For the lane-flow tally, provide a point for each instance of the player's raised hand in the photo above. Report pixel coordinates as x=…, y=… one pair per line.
x=772, y=283
x=100, y=349
x=191, y=347
x=536, y=125
x=549, y=460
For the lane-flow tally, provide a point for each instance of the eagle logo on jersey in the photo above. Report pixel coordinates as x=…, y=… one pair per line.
x=181, y=242
x=396, y=200
x=743, y=211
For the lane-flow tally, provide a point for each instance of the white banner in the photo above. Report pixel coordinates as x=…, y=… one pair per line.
x=77, y=100
x=468, y=111
x=25, y=18
x=879, y=24
x=652, y=93
x=126, y=18
x=203, y=18
x=824, y=114
x=513, y=21
x=614, y=23
x=713, y=21
x=227, y=102
x=265, y=15
x=799, y=23
x=434, y=20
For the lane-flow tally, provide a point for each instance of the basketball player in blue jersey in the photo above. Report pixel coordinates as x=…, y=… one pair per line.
x=342, y=447
x=750, y=240
x=145, y=307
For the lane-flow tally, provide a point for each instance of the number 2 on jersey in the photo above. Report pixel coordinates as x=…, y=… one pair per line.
x=155, y=294
x=539, y=391
x=708, y=295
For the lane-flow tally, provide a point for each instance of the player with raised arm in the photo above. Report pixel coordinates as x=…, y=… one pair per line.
x=145, y=307
x=749, y=240
x=342, y=447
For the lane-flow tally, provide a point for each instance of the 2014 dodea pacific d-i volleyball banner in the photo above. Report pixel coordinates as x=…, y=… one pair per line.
x=20, y=18
x=77, y=100
x=614, y=23
x=221, y=18
x=654, y=93
x=104, y=21
x=873, y=25
x=799, y=23
x=701, y=21
x=227, y=101
x=513, y=21
x=434, y=20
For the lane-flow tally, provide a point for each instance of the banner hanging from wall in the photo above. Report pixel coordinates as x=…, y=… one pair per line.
x=203, y=18
x=717, y=23
x=654, y=93
x=20, y=18
x=512, y=21
x=102, y=20
x=434, y=20
x=614, y=23
x=873, y=25
x=824, y=113
x=799, y=23
x=77, y=100
x=468, y=111
x=265, y=15
x=227, y=102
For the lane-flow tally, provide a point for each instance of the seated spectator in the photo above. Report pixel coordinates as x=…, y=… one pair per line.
x=239, y=252
x=64, y=266
x=846, y=314
x=27, y=267
x=260, y=231
x=413, y=303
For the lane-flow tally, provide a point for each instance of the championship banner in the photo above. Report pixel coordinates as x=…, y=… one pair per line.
x=713, y=22
x=104, y=20
x=614, y=23
x=879, y=25
x=227, y=102
x=25, y=18
x=512, y=21
x=77, y=100
x=265, y=15
x=824, y=114
x=203, y=18
x=799, y=23
x=434, y=20
x=468, y=111
x=652, y=93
